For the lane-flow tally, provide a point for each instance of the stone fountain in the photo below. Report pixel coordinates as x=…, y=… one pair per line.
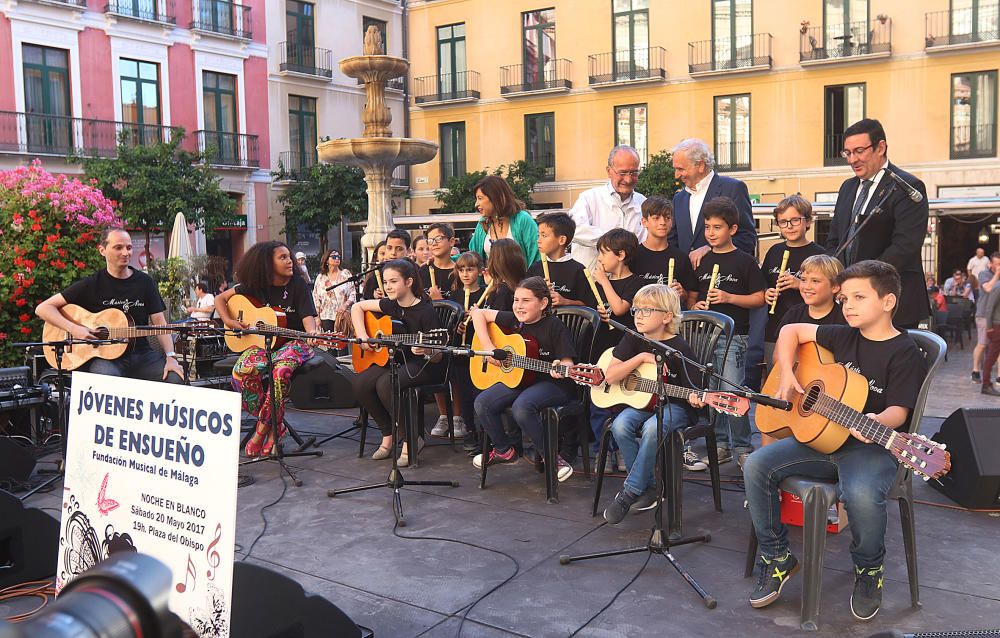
x=377, y=152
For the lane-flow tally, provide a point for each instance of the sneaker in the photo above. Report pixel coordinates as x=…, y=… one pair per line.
x=496, y=458
x=691, y=461
x=977, y=377
x=867, y=596
x=741, y=455
x=460, y=427
x=647, y=500
x=616, y=511
x=725, y=455
x=563, y=469
x=441, y=427
x=774, y=573
x=470, y=443
x=989, y=389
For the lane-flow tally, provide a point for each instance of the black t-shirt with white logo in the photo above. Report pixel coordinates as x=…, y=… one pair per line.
x=137, y=296
x=800, y=314
x=420, y=317
x=771, y=267
x=653, y=267
x=678, y=372
x=626, y=289
x=294, y=299
x=894, y=367
x=739, y=274
x=501, y=298
x=550, y=333
x=442, y=277
x=567, y=278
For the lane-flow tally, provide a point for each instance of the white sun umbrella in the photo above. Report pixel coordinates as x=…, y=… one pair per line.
x=180, y=242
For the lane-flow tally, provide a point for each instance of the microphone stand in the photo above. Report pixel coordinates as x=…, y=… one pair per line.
x=864, y=222
x=395, y=481
x=667, y=479
x=184, y=331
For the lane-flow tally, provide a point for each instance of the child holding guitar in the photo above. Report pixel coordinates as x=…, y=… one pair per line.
x=895, y=370
x=403, y=301
x=268, y=274
x=531, y=318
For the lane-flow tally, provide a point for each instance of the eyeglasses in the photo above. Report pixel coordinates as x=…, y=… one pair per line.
x=645, y=312
x=846, y=154
x=434, y=241
x=334, y=256
x=790, y=223
x=626, y=173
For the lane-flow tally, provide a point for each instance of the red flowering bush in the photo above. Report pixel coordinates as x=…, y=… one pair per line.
x=49, y=230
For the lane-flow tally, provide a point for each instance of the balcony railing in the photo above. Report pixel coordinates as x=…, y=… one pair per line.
x=399, y=178
x=223, y=17
x=846, y=41
x=627, y=65
x=447, y=87
x=307, y=60
x=395, y=84
x=294, y=165
x=730, y=54
x=833, y=144
x=968, y=142
x=517, y=78
x=732, y=156
x=31, y=133
x=161, y=11
x=228, y=149
x=968, y=26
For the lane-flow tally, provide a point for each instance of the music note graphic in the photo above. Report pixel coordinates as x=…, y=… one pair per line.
x=105, y=505
x=214, y=559
x=182, y=587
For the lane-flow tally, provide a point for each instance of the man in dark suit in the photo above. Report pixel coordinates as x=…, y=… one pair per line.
x=895, y=235
x=693, y=166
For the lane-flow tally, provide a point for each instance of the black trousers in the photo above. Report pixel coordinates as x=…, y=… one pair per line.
x=373, y=387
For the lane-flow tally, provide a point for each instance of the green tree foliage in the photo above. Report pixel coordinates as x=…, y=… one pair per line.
x=324, y=194
x=457, y=195
x=657, y=177
x=152, y=183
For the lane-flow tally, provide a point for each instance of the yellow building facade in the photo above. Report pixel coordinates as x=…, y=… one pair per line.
x=768, y=84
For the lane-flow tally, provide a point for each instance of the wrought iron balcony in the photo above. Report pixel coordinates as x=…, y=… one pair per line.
x=307, y=60
x=161, y=11
x=854, y=40
x=39, y=134
x=552, y=75
x=964, y=27
x=730, y=55
x=447, y=87
x=626, y=66
x=969, y=142
x=732, y=156
x=395, y=84
x=295, y=165
x=228, y=149
x=222, y=17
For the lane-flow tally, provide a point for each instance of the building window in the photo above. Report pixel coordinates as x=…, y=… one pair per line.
x=538, y=50
x=630, y=128
x=378, y=24
x=140, y=86
x=220, y=141
x=300, y=34
x=732, y=33
x=732, y=132
x=630, y=37
x=452, y=81
x=46, y=99
x=845, y=24
x=540, y=142
x=974, y=17
x=843, y=105
x=452, y=150
x=974, y=114
x=302, y=136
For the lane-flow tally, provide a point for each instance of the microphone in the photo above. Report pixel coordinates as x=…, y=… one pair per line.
x=762, y=399
x=913, y=193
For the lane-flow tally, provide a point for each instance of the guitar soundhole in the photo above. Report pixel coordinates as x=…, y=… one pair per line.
x=508, y=364
x=810, y=398
x=101, y=332
x=631, y=382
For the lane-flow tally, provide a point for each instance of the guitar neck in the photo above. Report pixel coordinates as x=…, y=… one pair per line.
x=848, y=417
x=278, y=331
x=136, y=333
x=650, y=386
x=537, y=365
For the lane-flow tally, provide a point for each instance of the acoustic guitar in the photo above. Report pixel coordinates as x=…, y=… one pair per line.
x=110, y=323
x=381, y=327
x=834, y=397
x=638, y=390
x=264, y=320
x=519, y=367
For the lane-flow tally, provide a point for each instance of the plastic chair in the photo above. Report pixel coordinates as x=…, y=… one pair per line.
x=819, y=495
x=582, y=323
x=701, y=329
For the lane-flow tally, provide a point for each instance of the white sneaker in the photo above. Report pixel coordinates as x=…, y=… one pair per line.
x=441, y=427
x=691, y=461
x=563, y=469
x=460, y=428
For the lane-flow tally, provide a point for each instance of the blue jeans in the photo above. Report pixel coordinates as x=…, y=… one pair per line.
x=640, y=454
x=755, y=346
x=145, y=364
x=731, y=431
x=527, y=406
x=866, y=473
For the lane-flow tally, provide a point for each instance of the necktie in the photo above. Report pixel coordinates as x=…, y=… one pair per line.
x=859, y=207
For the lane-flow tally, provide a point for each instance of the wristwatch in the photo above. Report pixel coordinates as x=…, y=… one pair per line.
x=171, y=354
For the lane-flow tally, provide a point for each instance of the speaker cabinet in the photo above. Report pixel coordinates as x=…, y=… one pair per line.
x=973, y=438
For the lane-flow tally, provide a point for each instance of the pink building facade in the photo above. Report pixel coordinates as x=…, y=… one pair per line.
x=75, y=74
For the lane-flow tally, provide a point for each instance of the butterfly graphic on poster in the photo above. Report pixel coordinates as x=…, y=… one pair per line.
x=105, y=505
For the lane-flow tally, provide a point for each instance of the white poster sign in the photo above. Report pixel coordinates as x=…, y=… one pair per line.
x=151, y=468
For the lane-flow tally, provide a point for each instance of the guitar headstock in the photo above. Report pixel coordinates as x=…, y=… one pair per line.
x=586, y=374
x=925, y=457
x=435, y=337
x=727, y=403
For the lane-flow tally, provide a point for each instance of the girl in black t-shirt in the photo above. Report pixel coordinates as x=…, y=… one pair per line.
x=267, y=273
x=404, y=302
x=531, y=318
x=505, y=268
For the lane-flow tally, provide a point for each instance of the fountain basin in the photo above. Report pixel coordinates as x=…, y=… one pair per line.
x=368, y=67
x=373, y=151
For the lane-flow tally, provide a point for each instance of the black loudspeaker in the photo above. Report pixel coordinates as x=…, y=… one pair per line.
x=16, y=461
x=973, y=438
x=267, y=604
x=322, y=384
x=29, y=542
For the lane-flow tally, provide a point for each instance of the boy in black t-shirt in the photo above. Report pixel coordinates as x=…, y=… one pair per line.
x=819, y=288
x=651, y=262
x=120, y=286
x=895, y=370
x=441, y=239
x=740, y=287
x=566, y=276
x=396, y=245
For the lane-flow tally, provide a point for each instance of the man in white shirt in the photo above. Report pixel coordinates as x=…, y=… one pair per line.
x=205, y=306
x=614, y=204
x=978, y=263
